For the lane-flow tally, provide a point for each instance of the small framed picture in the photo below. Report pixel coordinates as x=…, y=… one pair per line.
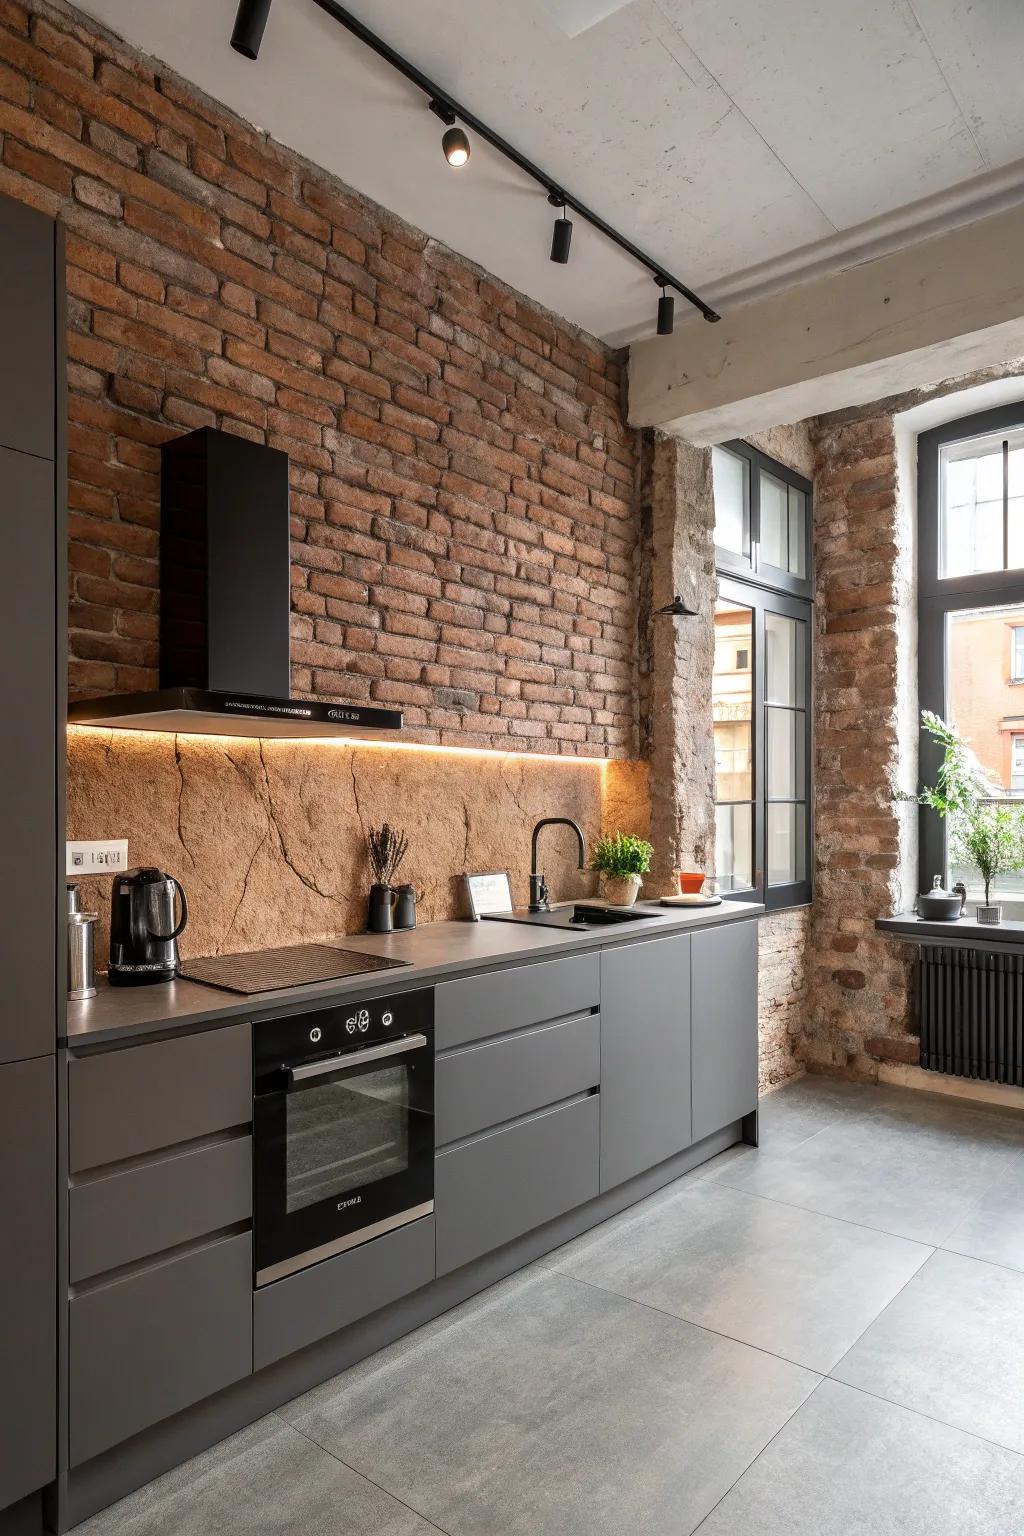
x=488, y=892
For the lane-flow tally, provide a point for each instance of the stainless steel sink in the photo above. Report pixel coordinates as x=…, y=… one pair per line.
x=576, y=918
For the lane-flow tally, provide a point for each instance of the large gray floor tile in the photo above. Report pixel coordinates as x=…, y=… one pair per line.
x=952, y=1346
x=556, y=1409
x=994, y=1228
x=849, y=1465
x=268, y=1479
x=911, y=1170
x=801, y=1285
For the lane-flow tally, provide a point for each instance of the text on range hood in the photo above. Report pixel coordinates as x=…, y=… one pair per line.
x=225, y=605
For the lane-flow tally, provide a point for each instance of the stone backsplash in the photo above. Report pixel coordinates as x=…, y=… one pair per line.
x=268, y=838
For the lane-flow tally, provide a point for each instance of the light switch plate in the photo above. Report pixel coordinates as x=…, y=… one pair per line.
x=97, y=858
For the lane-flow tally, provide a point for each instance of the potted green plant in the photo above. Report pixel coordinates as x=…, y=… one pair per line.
x=982, y=829
x=621, y=861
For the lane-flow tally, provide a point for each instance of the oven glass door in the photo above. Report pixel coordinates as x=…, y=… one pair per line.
x=341, y=1146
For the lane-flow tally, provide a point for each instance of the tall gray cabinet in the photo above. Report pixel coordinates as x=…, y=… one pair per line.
x=32, y=671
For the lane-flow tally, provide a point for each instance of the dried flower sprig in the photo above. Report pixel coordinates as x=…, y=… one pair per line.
x=386, y=847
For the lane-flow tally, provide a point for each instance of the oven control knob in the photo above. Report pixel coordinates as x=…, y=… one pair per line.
x=350, y=1026
x=387, y=1018
x=315, y=1035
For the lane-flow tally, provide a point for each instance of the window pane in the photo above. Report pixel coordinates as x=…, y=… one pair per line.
x=774, y=534
x=971, y=507
x=786, y=775
x=1017, y=669
x=787, y=851
x=797, y=532
x=732, y=701
x=731, y=478
x=734, y=846
x=984, y=648
x=785, y=642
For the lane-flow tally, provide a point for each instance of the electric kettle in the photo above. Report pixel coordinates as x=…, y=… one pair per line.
x=144, y=927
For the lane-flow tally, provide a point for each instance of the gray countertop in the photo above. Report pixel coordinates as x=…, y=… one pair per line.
x=434, y=952
x=964, y=929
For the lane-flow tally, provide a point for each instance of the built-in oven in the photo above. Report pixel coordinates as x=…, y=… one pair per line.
x=343, y=1128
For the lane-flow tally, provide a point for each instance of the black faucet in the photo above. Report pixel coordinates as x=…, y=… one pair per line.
x=539, y=893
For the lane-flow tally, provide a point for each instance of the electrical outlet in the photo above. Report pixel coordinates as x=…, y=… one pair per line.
x=98, y=858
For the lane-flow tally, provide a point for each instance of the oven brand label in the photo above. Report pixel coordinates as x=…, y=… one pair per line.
x=343, y=1205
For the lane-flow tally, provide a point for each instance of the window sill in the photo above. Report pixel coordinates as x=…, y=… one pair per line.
x=964, y=930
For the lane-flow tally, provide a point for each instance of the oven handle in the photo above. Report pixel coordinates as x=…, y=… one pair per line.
x=346, y=1059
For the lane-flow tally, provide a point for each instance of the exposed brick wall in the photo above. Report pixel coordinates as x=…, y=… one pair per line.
x=860, y=980
x=462, y=478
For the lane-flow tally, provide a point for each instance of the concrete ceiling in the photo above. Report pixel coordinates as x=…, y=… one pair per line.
x=744, y=143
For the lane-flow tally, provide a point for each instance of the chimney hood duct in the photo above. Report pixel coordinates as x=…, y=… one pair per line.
x=225, y=605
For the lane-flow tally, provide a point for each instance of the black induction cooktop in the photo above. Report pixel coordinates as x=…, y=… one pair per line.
x=296, y=965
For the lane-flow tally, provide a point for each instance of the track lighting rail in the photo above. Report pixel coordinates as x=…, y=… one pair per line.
x=448, y=109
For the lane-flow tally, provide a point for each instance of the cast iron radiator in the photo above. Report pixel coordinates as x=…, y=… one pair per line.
x=972, y=1013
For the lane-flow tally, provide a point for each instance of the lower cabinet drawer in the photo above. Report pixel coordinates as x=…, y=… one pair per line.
x=477, y=1007
x=488, y=1191
x=135, y=1212
x=140, y=1099
x=146, y=1346
x=318, y=1301
x=484, y=1085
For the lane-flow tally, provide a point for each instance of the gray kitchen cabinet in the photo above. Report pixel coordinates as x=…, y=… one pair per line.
x=28, y=1278
x=494, y=1002
x=148, y=1344
x=504, y=1183
x=645, y=1056
x=28, y=755
x=484, y=1085
x=330, y=1295
x=27, y=323
x=724, y=1028
x=130, y=1102
x=136, y=1211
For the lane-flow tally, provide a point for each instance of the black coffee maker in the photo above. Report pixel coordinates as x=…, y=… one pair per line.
x=144, y=927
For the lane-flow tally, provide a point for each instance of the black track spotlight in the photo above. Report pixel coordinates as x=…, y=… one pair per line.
x=456, y=146
x=454, y=142
x=561, y=237
x=666, y=310
x=249, y=27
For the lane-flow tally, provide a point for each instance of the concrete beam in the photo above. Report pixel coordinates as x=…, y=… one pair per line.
x=945, y=306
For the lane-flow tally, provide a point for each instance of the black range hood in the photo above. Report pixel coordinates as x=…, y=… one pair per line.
x=225, y=606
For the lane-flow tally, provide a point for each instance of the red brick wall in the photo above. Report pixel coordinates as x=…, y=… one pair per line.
x=462, y=477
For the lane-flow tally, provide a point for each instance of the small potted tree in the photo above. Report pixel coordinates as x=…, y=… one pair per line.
x=983, y=830
x=621, y=861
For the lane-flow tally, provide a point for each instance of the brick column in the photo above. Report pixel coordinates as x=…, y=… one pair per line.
x=676, y=656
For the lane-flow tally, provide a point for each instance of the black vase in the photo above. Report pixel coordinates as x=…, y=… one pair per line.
x=380, y=916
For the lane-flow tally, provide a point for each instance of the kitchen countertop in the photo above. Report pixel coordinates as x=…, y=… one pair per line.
x=435, y=952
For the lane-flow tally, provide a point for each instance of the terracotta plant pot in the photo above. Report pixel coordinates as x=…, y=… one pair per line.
x=621, y=890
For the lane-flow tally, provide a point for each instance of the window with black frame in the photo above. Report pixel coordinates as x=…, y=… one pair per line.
x=761, y=683
x=971, y=614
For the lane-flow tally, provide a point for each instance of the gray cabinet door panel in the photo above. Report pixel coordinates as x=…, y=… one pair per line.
x=318, y=1301
x=137, y=1212
x=484, y=1085
x=724, y=1029
x=488, y=1191
x=645, y=1056
x=28, y=752
x=146, y=1346
x=27, y=325
x=129, y=1102
x=28, y=1278
x=492, y=1004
